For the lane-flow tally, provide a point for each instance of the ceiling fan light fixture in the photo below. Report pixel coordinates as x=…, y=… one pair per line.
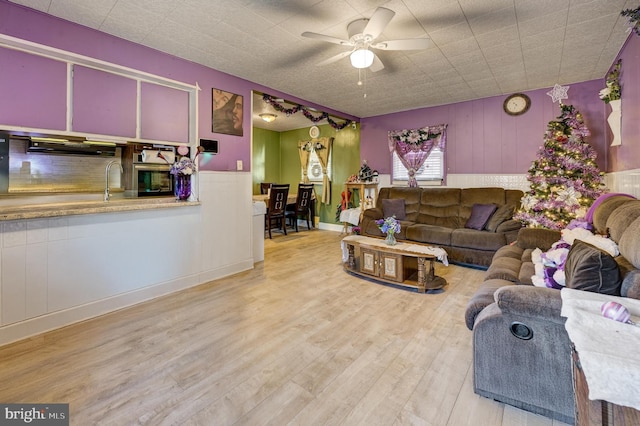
x=361, y=58
x=268, y=117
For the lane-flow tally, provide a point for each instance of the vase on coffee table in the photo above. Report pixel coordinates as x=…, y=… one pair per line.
x=391, y=239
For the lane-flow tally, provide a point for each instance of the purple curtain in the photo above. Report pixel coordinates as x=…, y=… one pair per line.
x=414, y=145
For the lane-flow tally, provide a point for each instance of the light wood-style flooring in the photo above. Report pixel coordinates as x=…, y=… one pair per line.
x=294, y=341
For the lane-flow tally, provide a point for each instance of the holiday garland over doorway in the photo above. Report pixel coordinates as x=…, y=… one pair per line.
x=305, y=111
x=564, y=179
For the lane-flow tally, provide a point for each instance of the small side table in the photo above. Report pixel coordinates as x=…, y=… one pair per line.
x=603, y=353
x=363, y=189
x=597, y=413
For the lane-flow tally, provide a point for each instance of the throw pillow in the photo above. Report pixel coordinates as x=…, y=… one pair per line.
x=502, y=214
x=591, y=269
x=394, y=207
x=480, y=214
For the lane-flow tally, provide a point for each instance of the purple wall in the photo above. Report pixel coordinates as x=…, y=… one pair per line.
x=28, y=24
x=627, y=155
x=481, y=138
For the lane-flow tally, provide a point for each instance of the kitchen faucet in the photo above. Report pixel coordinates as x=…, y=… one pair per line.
x=107, y=195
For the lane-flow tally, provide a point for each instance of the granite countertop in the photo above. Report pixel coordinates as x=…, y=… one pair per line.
x=32, y=208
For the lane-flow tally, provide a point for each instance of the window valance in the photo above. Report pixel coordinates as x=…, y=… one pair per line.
x=414, y=145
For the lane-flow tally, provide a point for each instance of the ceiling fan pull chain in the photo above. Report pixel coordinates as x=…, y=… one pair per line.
x=365, y=84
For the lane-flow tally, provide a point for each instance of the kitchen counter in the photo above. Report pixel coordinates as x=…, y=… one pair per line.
x=15, y=208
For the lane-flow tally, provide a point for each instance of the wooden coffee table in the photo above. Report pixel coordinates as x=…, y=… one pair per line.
x=402, y=264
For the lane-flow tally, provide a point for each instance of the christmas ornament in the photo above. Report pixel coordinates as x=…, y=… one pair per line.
x=616, y=311
x=558, y=93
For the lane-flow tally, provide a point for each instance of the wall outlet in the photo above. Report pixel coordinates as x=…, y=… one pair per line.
x=239, y=165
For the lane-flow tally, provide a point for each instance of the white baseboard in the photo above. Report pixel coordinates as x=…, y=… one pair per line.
x=330, y=226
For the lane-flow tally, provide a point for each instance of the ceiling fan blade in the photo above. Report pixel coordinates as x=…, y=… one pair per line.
x=326, y=38
x=377, y=64
x=335, y=58
x=408, y=44
x=378, y=22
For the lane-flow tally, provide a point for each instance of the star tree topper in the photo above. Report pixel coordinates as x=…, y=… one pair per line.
x=558, y=93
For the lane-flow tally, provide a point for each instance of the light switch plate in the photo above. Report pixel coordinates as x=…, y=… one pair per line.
x=239, y=165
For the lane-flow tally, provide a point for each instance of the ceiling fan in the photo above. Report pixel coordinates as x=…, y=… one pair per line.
x=363, y=34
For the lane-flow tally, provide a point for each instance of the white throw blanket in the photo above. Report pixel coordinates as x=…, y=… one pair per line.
x=437, y=252
x=609, y=350
x=351, y=216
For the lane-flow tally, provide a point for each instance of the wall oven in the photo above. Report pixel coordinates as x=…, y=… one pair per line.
x=152, y=180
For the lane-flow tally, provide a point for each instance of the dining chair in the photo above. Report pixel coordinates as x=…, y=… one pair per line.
x=277, y=206
x=264, y=187
x=302, y=208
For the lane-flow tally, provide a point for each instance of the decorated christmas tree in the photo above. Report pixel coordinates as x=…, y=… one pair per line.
x=564, y=179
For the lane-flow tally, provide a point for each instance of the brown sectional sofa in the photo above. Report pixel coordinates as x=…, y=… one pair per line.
x=437, y=216
x=521, y=350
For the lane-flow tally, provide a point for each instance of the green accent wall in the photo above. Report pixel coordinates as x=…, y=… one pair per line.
x=286, y=169
x=265, y=157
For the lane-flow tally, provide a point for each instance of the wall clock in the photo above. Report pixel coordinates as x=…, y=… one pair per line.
x=314, y=131
x=516, y=104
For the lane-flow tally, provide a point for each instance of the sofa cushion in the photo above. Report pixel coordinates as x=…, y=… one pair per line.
x=527, y=270
x=441, y=207
x=591, y=269
x=393, y=207
x=471, y=196
x=631, y=285
x=610, y=203
x=479, y=240
x=620, y=219
x=531, y=238
x=502, y=214
x=503, y=268
x=513, y=197
x=411, y=197
x=429, y=234
x=630, y=243
x=480, y=214
x=510, y=250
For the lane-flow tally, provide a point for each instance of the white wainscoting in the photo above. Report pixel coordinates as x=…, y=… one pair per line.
x=515, y=181
x=57, y=271
x=512, y=181
x=627, y=182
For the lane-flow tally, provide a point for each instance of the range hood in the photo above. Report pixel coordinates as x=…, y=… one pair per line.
x=59, y=146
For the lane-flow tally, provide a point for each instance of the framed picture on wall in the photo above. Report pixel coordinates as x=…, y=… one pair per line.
x=226, y=111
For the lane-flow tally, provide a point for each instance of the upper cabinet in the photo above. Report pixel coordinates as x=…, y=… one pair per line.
x=103, y=103
x=49, y=90
x=164, y=113
x=34, y=90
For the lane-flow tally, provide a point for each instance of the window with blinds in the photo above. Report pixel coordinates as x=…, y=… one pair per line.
x=431, y=172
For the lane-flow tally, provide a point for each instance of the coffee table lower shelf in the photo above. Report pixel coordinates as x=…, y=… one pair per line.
x=393, y=266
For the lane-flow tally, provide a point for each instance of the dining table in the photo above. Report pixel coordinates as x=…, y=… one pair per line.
x=292, y=198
